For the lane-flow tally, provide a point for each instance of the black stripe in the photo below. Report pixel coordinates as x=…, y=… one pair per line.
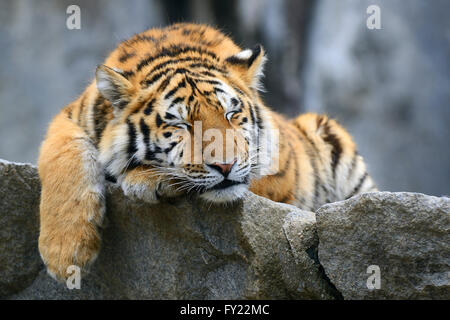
x=163, y=85
x=172, y=145
x=127, y=74
x=206, y=66
x=254, y=123
x=172, y=61
x=81, y=109
x=151, y=155
x=358, y=186
x=126, y=55
x=177, y=100
x=159, y=121
x=169, y=116
x=148, y=109
x=313, y=155
x=258, y=117
x=287, y=165
x=156, y=77
x=193, y=85
x=145, y=130
x=132, y=146
x=99, y=116
x=336, y=151
x=213, y=82
x=141, y=38
x=252, y=115
x=234, y=101
x=174, y=51
x=109, y=177
x=207, y=73
x=172, y=92
x=122, y=103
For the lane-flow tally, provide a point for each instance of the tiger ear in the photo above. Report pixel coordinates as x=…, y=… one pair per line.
x=113, y=86
x=250, y=66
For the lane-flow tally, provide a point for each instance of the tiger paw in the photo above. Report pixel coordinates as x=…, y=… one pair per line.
x=140, y=191
x=61, y=250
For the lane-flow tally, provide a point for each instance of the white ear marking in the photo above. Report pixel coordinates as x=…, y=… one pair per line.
x=244, y=55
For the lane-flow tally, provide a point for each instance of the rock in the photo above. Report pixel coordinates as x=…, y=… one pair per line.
x=184, y=249
x=407, y=235
x=253, y=249
x=19, y=227
x=300, y=230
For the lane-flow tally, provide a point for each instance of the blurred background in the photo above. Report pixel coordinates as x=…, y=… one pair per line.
x=389, y=87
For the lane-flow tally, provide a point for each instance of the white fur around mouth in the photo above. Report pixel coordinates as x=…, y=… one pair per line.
x=229, y=194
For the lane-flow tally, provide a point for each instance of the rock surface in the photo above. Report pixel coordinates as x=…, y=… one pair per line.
x=19, y=227
x=407, y=235
x=179, y=250
x=254, y=249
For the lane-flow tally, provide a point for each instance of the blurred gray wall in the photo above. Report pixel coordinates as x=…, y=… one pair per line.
x=390, y=87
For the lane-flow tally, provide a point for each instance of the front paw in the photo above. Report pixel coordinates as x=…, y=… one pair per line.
x=140, y=191
x=61, y=249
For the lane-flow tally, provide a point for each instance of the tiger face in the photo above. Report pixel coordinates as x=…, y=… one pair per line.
x=194, y=125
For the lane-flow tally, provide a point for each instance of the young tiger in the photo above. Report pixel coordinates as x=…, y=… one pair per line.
x=126, y=126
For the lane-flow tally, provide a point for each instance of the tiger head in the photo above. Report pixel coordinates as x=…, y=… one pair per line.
x=191, y=116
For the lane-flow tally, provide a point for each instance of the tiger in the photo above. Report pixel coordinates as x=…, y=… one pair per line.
x=131, y=126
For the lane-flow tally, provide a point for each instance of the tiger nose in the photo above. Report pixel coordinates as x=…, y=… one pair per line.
x=223, y=168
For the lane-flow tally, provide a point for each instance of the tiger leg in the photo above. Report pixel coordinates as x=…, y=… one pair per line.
x=72, y=201
x=340, y=167
x=349, y=169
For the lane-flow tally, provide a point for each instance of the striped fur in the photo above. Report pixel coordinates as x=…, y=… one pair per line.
x=126, y=127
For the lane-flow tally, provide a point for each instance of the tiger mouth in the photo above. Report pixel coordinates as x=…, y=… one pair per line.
x=225, y=184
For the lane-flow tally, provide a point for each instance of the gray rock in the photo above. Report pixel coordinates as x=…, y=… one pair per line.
x=184, y=249
x=300, y=230
x=253, y=249
x=19, y=226
x=407, y=235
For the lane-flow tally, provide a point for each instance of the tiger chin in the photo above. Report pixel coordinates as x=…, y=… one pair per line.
x=133, y=123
